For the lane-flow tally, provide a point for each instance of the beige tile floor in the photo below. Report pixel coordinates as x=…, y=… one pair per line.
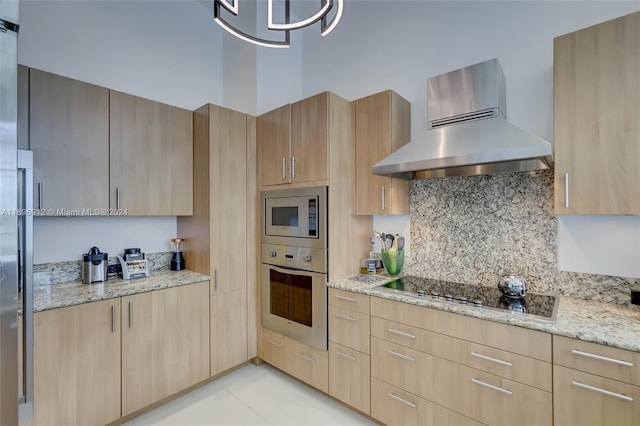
x=251, y=396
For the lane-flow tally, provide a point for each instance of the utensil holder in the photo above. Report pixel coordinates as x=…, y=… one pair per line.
x=392, y=261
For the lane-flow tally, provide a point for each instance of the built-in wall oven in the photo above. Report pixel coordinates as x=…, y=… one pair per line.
x=294, y=264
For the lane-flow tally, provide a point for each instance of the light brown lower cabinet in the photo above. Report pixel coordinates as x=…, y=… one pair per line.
x=165, y=343
x=275, y=350
x=77, y=365
x=350, y=377
x=394, y=406
x=490, y=399
x=303, y=362
x=228, y=330
x=584, y=399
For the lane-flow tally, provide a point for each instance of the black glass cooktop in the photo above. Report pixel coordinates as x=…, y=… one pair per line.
x=477, y=296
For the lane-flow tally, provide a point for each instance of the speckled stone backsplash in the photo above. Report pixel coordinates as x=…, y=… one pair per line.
x=62, y=272
x=473, y=229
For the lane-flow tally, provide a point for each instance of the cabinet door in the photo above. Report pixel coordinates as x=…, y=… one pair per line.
x=383, y=124
x=309, y=141
x=584, y=399
x=228, y=330
x=349, y=376
x=77, y=365
x=275, y=350
x=597, y=104
x=165, y=343
x=69, y=136
x=228, y=184
x=151, y=157
x=273, y=128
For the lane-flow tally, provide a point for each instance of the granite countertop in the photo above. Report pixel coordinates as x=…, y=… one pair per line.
x=607, y=324
x=53, y=296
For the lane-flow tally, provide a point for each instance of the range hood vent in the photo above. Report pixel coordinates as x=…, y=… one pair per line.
x=468, y=132
x=490, y=113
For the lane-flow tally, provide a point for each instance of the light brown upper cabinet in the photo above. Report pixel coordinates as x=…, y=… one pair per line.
x=294, y=142
x=383, y=124
x=597, y=130
x=151, y=157
x=69, y=137
x=309, y=134
x=274, y=145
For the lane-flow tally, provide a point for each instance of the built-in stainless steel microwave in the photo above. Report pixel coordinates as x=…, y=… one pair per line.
x=295, y=217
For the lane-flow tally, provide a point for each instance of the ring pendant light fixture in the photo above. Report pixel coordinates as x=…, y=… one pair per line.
x=326, y=25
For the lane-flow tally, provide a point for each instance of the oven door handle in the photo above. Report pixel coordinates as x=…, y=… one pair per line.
x=286, y=269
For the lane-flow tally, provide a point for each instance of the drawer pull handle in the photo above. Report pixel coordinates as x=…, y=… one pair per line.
x=400, y=333
x=303, y=356
x=348, y=299
x=566, y=190
x=404, y=401
x=488, y=358
x=346, y=317
x=606, y=392
x=342, y=354
x=399, y=355
x=487, y=385
x=284, y=165
x=602, y=358
x=274, y=343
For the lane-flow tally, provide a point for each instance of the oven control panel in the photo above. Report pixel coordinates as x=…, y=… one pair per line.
x=304, y=258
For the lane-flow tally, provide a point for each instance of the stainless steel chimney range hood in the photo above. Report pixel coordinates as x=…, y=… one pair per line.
x=468, y=132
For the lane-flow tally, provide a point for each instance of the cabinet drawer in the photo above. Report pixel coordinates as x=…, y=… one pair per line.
x=274, y=350
x=584, y=399
x=349, y=328
x=349, y=376
x=393, y=406
x=512, y=366
x=488, y=398
x=349, y=300
x=613, y=363
x=401, y=366
x=309, y=365
x=523, y=341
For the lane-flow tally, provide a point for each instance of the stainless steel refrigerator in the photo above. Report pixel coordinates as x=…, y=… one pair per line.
x=15, y=238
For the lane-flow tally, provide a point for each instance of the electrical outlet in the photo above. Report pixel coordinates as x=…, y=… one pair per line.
x=635, y=297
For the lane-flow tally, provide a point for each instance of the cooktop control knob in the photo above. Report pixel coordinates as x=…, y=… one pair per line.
x=477, y=303
x=421, y=293
x=307, y=258
x=463, y=300
x=448, y=297
x=435, y=294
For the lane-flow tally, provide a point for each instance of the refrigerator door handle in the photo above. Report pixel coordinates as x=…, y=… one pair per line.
x=25, y=167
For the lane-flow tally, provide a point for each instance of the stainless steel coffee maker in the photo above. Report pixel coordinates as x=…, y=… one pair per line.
x=94, y=266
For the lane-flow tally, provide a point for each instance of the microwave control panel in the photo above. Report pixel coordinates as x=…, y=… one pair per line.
x=313, y=216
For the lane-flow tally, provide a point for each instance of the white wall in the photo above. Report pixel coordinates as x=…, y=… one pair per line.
x=168, y=51
x=397, y=45
x=68, y=238
x=608, y=245
x=172, y=51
